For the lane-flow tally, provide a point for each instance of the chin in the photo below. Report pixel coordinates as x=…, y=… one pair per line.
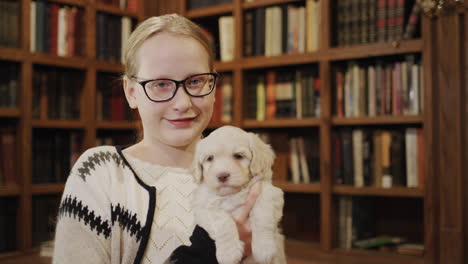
x=227, y=190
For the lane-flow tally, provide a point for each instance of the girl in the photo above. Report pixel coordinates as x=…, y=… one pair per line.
x=132, y=205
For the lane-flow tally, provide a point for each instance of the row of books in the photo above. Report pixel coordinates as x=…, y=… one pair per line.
x=112, y=33
x=9, y=23
x=111, y=104
x=283, y=95
x=7, y=156
x=379, y=88
x=57, y=29
x=9, y=85
x=358, y=227
x=44, y=213
x=223, y=107
x=369, y=21
x=8, y=225
x=54, y=154
x=304, y=156
x=380, y=158
x=285, y=29
x=130, y=5
x=194, y=4
x=57, y=93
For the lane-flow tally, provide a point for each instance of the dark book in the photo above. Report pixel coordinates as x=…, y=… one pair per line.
x=40, y=25
x=372, y=7
x=391, y=17
x=412, y=21
x=398, y=159
x=355, y=21
x=284, y=32
x=367, y=152
x=259, y=39
x=364, y=20
x=399, y=18
x=363, y=219
x=249, y=33
x=8, y=147
x=337, y=159
x=348, y=168
x=47, y=26
x=381, y=20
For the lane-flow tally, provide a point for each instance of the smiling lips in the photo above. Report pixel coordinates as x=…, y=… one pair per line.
x=181, y=122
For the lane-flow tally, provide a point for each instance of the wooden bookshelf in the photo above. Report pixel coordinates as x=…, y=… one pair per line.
x=26, y=127
x=210, y=11
x=297, y=188
x=374, y=191
x=285, y=123
x=377, y=120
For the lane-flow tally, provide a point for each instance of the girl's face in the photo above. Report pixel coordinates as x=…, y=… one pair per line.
x=180, y=121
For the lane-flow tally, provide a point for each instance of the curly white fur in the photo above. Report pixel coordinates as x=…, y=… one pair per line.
x=226, y=164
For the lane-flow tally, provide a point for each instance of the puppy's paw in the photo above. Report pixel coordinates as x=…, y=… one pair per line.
x=264, y=250
x=230, y=254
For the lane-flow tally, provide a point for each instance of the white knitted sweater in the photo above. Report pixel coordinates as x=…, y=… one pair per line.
x=109, y=212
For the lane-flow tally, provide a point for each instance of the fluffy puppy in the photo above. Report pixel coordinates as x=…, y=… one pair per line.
x=226, y=164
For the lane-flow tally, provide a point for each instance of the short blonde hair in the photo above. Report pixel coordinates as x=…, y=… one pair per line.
x=171, y=23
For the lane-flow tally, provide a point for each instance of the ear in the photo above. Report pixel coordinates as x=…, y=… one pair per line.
x=197, y=168
x=262, y=157
x=129, y=90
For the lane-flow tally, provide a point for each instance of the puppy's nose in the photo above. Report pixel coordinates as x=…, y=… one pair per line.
x=223, y=176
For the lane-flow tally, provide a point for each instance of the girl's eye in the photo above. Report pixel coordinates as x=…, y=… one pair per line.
x=238, y=156
x=210, y=158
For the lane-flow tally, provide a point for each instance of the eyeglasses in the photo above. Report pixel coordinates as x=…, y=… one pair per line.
x=161, y=90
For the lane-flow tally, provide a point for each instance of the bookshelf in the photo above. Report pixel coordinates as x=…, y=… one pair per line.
x=320, y=199
x=37, y=114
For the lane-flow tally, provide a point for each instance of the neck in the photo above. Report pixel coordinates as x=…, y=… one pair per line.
x=162, y=154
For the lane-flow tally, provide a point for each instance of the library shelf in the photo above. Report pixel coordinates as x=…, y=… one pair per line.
x=279, y=123
x=261, y=3
x=214, y=125
x=375, y=191
x=290, y=187
x=10, y=112
x=79, y=3
x=9, y=190
x=4, y=256
x=222, y=66
x=121, y=125
x=375, y=50
x=281, y=60
x=80, y=63
x=65, y=124
x=377, y=120
x=53, y=188
x=115, y=10
x=13, y=54
x=105, y=66
x=375, y=257
x=24, y=258
x=216, y=10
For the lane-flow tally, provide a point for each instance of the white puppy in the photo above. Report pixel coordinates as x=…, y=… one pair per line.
x=226, y=164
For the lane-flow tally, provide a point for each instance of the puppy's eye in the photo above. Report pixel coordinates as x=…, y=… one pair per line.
x=209, y=158
x=238, y=156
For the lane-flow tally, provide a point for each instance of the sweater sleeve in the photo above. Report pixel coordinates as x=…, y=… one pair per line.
x=202, y=250
x=84, y=220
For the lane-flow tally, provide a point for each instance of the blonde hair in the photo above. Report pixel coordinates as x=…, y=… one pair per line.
x=172, y=23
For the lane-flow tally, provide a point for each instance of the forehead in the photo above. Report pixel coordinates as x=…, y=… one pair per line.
x=225, y=142
x=171, y=56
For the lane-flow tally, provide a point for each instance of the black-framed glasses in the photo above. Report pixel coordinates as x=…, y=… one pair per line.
x=161, y=90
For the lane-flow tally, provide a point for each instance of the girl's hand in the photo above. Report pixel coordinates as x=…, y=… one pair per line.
x=241, y=216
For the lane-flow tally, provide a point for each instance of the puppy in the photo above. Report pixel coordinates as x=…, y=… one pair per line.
x=226, y=164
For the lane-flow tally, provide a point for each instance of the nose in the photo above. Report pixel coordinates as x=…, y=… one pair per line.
x=223, y=176
x=182, y=100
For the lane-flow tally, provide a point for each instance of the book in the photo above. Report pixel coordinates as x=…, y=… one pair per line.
x=226, y=37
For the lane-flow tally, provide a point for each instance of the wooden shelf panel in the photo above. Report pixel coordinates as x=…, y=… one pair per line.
x=79, y=3
x=373, y=50
x=378, y=120
x=297, y=188
x=114, y=10
x=12, y=54
x=109, y=66
x=65, y=124
x=224, y=66
x=281, y=60
x=277, y=123
x=130, y=125
x=210, y=11
x=260, y=3
x=374, y=191
x=10, y=112
x=58, y=61
x=54, y=188
x=375, y=257
x=12, y=190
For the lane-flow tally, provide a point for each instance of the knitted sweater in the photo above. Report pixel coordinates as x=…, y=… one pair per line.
x=108, y=214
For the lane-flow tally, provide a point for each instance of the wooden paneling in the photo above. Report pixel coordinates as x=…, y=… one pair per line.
x=449, y=65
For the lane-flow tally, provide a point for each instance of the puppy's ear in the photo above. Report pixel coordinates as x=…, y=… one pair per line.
x=196, y=168
x=262, y=157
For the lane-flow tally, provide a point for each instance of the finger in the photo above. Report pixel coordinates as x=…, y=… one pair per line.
x=249, y=203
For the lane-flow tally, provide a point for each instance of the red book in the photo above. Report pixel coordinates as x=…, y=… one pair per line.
x=270, y=95
x=71, y=31
x=339, y=94
x=54, y=8
x=391, y=15
x=399, y=17
x=381, y=20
